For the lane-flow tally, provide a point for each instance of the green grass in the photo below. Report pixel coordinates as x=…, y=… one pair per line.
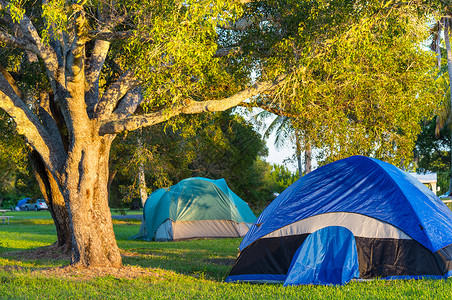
x=186, y=270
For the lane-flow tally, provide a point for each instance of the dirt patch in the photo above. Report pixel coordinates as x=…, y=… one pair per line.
x=132, y=254
x=74, y=272
x=47, y=253
x=78, y=273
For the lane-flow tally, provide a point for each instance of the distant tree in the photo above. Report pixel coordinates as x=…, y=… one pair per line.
x=432, y=152
x=441, y=44
x=13, y=158
x=288, y=131
x=281, y=178
x=228, y=147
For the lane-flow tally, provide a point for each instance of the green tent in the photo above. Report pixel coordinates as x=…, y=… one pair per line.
x=195, y=208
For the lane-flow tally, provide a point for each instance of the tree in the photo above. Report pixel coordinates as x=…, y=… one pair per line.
x=443, y=25
x=92, y=89
x=355, y=81
x=432, y=152
x=281, y=178
x=288, y=129
x=77, y=73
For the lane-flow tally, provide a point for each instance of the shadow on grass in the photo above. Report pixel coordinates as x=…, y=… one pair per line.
x=7, y=249
x=40, y=257
x=210, y=259
x=204, y=258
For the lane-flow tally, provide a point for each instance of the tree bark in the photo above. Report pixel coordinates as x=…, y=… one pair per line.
x=438, y=47
x=55, y=201
x=84, y=184
x=298, y=153
x=308, y=158
x=141, y=175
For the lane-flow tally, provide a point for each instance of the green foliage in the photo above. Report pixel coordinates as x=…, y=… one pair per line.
x=16, y=179
x=360, y=80
x=219, y=145
x=172, y=47
x=17, y=12
x=282, y=178
x=432, y=154
x=381, y=89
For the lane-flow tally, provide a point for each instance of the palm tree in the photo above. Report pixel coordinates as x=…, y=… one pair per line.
x=444, y=115
x=285, y=130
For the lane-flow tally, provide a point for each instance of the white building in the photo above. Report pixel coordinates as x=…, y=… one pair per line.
x=429, y=180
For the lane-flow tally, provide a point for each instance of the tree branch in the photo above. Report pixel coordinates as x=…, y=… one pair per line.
x=269, y=108
x=95, y=63
x=190, y=107
x=107, y=20
x=75, y=73
x=109, y=36
x=128, y=104
x=46, y=118
x=221, y=52
x=29, y=126
x=261, y=51
x=246, y=23
x=114, y=93
x=52, y=119
x=45, y=52
x=16, y=42
x=11, y=81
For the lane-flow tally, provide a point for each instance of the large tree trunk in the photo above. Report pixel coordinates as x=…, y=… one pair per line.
x=85, y=189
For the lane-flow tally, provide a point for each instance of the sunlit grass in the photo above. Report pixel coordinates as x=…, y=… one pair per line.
x=186, y=270
x=26, y=235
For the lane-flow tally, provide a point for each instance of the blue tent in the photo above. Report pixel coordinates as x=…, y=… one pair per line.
x=195, y=208
x=336, y=264
x=401, y=229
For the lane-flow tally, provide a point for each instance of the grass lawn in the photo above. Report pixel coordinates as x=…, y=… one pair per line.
x=180, y=270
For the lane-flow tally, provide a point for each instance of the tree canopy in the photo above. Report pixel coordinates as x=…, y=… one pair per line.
x=359, y=79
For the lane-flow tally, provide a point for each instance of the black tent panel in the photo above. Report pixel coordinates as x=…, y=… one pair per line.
x=378, y=258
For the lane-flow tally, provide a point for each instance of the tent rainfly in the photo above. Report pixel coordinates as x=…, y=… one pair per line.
x=195, y=208
x=356, y=218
